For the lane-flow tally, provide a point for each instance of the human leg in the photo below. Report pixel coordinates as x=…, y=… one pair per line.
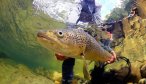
x=67, y=70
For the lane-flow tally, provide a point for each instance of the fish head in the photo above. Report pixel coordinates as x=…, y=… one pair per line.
x=65, y=41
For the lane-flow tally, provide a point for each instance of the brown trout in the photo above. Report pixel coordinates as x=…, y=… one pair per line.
x=73, y=43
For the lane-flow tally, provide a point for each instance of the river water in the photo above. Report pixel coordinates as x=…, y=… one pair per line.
x=19, y=23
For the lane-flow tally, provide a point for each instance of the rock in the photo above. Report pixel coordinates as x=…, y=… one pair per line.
x=13, y=73
x=143, y=70
x=133, y=47
x=142, y=81
x=141, y=8
x=57, y=77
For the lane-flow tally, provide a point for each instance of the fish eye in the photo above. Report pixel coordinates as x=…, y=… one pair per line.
x=60, y=33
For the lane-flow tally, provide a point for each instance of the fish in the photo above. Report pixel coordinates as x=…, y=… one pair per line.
x=74, y=43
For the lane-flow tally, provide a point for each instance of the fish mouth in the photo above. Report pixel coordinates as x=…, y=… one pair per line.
x=42, y=35
x=47, y=41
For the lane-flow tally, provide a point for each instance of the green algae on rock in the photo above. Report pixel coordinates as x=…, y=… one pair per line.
x=13, y=73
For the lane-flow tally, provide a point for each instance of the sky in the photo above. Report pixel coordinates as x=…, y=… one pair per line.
x=107, y=6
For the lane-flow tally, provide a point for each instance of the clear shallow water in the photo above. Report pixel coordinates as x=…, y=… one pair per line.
x=19, y=23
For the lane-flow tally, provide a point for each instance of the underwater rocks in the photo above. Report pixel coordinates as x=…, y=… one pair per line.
x=129, y=41
x=13, y=73
x=132, y=46
x=141, y=7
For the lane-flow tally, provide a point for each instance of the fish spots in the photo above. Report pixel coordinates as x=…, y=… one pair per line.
x=74, y=38
x=81, y=54
x=82, y=47
x=66, y=37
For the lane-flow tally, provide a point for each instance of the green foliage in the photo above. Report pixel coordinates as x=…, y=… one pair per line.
x=128, y=4
x=120, y=13
x=117, y=13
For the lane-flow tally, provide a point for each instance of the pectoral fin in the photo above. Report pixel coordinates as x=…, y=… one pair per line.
x=85, y=69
